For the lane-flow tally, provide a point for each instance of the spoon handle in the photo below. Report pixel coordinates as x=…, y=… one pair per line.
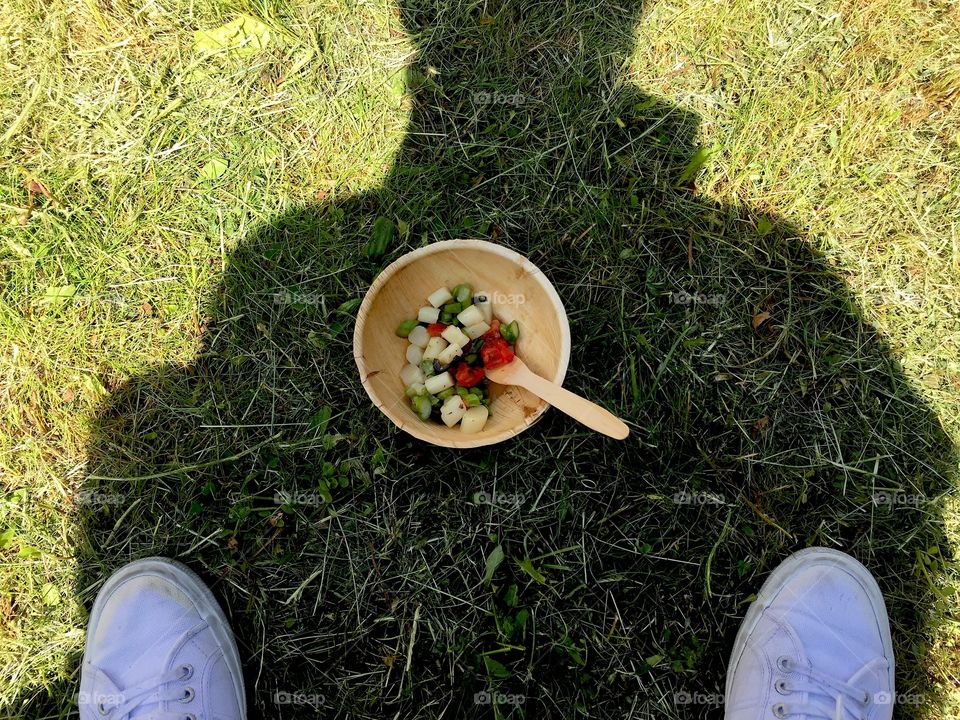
x=577, y=407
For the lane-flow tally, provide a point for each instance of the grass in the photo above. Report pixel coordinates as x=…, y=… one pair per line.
x=795, y=164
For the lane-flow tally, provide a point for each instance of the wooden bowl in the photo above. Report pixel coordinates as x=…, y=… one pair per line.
x=520, y=292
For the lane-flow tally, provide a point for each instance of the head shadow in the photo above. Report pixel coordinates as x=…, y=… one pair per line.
x=767, y=414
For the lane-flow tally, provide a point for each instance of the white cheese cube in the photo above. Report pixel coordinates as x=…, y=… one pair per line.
x=436, y=346
x=414, y=354
x=438, y=383
x=474, y=419
x=411, y=375
x=475, y=331
x=470, y=316
x=452, y=410
x=418, y=336
x=482, y=300
x=455, y=336
x=451, y=353
x=439, y=297
x=428, y=314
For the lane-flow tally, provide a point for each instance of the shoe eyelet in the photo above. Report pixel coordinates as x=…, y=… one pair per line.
x=102, y=708
x=779, y=710
x=187, y=670
x=866, y=698
x=190, y=716
x=782, y=687
x=188, y=695
x=784, y=664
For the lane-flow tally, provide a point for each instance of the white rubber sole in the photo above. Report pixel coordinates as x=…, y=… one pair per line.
x=779, y=577
x=194, y=588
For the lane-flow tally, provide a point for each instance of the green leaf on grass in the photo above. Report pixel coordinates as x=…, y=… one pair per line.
x=512, y=626
x=495, y=668
x=527, y=566
x=319, y=420
x=27, y=552
x=6, y=537
x=573, y=651
x=212, y=169
x=698, y=160
x=59, y=292
x=348, y=306
x=493, y=562
x=764, y=226
x=244, y=35
x=521, y=619
x=93, y=386
x=324, y=489
x=50, y=594
x=383, y=230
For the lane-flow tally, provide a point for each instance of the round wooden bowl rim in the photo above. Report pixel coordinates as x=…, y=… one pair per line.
x=416, y=429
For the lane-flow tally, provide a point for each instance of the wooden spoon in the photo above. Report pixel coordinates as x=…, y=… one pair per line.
x=579, y=408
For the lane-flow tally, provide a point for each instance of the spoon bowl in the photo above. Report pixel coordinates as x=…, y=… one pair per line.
x=579, y=408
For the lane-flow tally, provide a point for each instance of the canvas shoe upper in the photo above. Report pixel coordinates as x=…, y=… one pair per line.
x=815, y=644
x=158, y=646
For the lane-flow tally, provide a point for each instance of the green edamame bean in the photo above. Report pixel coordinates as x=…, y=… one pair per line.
x=404, y=328
x=462, y=293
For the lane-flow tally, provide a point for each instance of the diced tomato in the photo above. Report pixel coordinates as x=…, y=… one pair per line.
x=494, y=330
x=435, y=329
x=469, y=376
x=496, y=352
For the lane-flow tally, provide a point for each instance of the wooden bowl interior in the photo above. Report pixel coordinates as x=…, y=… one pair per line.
x=520, y=291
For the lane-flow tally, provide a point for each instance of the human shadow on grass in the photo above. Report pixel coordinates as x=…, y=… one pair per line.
x=766, y=416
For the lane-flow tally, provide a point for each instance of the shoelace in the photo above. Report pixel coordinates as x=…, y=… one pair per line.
x=843, y=698
x=151, y=692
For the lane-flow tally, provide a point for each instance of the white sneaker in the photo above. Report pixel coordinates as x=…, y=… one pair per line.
x=158, y=646
x=814, y=644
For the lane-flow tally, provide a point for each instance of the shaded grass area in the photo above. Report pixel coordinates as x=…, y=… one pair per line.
x=816, y=368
